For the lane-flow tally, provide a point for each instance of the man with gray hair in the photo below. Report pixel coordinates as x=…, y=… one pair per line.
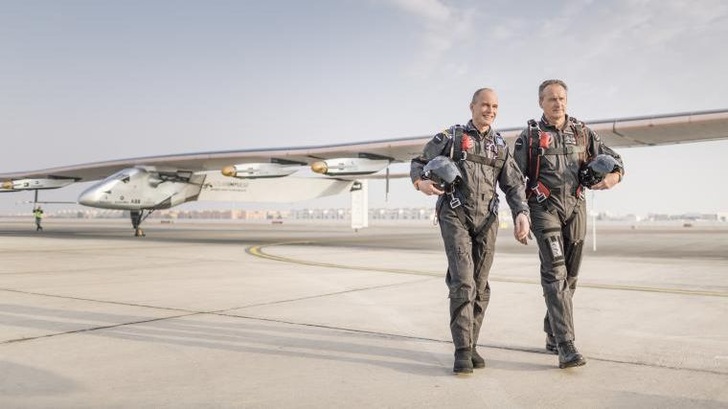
x=552, y=153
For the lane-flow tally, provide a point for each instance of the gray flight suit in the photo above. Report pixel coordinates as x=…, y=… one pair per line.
x=559, y=222
x=469, y=230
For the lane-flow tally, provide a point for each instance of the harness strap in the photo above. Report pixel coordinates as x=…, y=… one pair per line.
x=538, y=142
x=457, y=142
x=566, y=150
x=483, y=160
x=480, y=234
x=584, y=155
x=458, y=154
x=538, y=145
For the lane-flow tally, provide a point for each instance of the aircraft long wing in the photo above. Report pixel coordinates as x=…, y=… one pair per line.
x=398, y=150
x=625, y=132
x=661, y=129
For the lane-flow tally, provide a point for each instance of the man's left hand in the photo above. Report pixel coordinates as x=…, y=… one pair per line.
x=608, y=182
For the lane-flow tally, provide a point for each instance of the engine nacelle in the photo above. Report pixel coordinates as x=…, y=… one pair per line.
x=259, y=170
x=349, y=166
x=33, y=184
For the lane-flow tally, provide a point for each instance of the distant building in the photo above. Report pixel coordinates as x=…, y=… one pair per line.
x=344, y=214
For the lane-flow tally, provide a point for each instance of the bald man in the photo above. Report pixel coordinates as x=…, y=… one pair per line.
x=467, y=211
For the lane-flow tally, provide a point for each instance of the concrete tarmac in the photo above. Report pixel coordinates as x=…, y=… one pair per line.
x=244, y=315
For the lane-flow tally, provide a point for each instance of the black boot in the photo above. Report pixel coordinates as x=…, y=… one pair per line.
x=463, y=361
x=569, y=356
x=551, y=344
x=478, y=361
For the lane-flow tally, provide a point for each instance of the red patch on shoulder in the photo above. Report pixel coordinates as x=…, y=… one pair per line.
x=467, y=142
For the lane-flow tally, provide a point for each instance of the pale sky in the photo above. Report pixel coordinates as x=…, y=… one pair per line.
x=86, y=81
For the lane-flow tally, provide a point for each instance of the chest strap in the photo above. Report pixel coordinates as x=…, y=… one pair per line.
x=496, y=162
x=566, y=150
x=538, y=143
x=461, y=155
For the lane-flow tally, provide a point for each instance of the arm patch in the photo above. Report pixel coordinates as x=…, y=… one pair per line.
x=499, y=140
x=437, y=145
x=519, y=144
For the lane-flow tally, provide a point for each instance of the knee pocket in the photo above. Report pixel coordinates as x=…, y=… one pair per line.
x=459, y=294
x=483, y=295
x=457, y=250
x=551, y=272
x=554, y=287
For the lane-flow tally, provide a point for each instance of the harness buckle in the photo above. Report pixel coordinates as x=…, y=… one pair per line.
x=464, y=155
x=540, y=196
x=454, y=202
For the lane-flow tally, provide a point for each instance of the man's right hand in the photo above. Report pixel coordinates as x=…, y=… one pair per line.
x=522, y=228
x=428, y=187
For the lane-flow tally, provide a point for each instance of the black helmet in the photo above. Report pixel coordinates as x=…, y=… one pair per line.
x=443, y=171
x=593, y=171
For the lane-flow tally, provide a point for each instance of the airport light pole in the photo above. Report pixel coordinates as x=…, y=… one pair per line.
x=594, y=222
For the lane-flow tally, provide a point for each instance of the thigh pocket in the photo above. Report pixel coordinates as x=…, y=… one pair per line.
x=554, y=246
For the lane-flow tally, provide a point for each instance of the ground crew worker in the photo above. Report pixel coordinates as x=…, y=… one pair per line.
x=38, y=214
x=468, y=216
x=550, y=153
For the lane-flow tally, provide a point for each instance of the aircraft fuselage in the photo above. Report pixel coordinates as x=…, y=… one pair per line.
x=138, y=189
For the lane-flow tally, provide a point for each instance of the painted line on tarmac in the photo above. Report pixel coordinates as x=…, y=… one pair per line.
x=257, y=251
x=181, y=313
x=229, y=312
x=504, y=347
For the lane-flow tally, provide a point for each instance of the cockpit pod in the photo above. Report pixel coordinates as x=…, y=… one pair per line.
x=116, y=185
x=143, y=187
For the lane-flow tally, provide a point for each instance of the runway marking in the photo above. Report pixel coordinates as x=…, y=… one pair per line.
x=228, y=312
x=257, y=251
x=182, y=313
x=448, y=341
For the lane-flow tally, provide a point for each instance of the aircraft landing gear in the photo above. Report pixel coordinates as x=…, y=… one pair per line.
x=137, y=217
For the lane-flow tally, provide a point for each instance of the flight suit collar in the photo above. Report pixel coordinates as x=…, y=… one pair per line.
x=545, y=123
x=471, y=129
